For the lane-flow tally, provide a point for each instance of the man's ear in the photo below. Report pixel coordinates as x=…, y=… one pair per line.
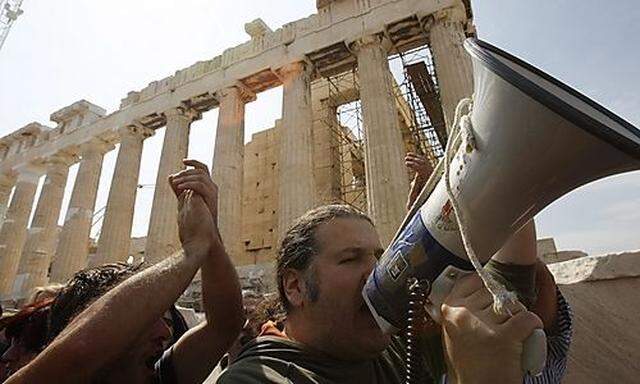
x=294, y=287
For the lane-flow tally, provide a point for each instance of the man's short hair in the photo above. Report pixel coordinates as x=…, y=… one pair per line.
x=85, y=287
x=299, y=244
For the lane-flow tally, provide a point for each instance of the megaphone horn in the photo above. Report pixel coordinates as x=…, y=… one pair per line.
x=530, y=139
x=536, y=139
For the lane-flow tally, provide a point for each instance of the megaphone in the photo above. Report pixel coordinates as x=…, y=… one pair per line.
x=534, y=139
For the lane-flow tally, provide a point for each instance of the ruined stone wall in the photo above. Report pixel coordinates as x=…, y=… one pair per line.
x=602, y=292
x=260, y=198
x=338, y=169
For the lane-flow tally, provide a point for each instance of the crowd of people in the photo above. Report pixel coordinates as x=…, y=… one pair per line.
x=118, y=323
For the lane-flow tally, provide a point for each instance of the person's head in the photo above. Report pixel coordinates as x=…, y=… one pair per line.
x=26, y=332
x=85, y=287
x=81, y=291
x=267, y=310
x=322, y=265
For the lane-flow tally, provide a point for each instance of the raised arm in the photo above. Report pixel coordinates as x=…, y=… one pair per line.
x=517, y=262
x=198, y=351
x=422, y=170
x=517, y=265
x=104, y=331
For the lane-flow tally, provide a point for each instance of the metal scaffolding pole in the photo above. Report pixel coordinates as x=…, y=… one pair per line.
x=9, y=13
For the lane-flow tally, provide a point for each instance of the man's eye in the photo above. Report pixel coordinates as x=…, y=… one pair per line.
x=347, y=260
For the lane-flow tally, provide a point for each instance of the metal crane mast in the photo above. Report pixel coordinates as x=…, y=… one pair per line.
x=9, y=12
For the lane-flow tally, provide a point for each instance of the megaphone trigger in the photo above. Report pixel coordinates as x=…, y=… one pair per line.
x=441, y=288
x=534, y=353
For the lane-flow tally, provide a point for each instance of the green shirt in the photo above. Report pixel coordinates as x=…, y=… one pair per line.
x=277, y=360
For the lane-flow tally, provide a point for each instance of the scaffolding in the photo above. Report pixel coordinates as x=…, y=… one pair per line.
x=343, y=116
x=9, y=13
x=427, y=126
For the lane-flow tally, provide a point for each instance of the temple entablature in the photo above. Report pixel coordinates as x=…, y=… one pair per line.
x=77, y=114
x=322, y=40
x=257, y=28
x=23, y=139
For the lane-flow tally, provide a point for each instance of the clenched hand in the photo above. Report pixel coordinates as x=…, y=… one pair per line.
x=419, y=164
x=198, y=207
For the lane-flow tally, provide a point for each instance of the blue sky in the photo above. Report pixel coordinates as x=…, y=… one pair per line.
x=59, y=52
x=592, y=46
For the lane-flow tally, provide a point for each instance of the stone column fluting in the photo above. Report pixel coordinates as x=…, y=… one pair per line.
x=115, y=235
x=73, y=244
x=6, y=185
x=4, y=149
x=14, y=229
x=296, y=193
x=386, y=176
x=41, y=240
x=162, y=238
x=451, y=60
x=228, y=165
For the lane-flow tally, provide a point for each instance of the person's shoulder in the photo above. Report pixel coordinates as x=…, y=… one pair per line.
x=252, y=370
x=264, y=360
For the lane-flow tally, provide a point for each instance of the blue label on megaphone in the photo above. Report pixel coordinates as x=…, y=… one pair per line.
x=413, y=253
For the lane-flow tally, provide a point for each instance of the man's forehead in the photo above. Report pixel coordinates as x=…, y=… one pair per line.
x=345, y=233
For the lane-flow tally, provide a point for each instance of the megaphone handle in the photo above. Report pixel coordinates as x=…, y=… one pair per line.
x=534, y=352
x=534, y=348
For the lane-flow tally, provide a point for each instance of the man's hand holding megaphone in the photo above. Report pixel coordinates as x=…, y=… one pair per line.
x=520, y=142
x=482, y=346
x=469, y=324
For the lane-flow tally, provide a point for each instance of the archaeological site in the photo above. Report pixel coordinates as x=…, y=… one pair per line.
x=346, y=124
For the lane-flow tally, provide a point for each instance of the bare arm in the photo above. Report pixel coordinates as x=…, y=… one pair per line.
x=100, y=334
x=198, y=351
x=521, y=250
x=422, y=170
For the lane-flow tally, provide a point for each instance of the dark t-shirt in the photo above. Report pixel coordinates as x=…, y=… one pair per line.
x=164, y=371
x=277, y=360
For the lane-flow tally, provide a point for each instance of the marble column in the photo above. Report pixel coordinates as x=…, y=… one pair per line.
x=41, y=240
x=4, y=149
x=228, y=164
x=386, y=176
x=162, y=238
x=6, y=185
x=297, y=193
x=451, y=60
x=14, y=230
x=73, y=244
x=115, y=236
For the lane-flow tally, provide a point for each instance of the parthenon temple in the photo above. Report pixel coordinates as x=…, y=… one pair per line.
x=327, y=64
